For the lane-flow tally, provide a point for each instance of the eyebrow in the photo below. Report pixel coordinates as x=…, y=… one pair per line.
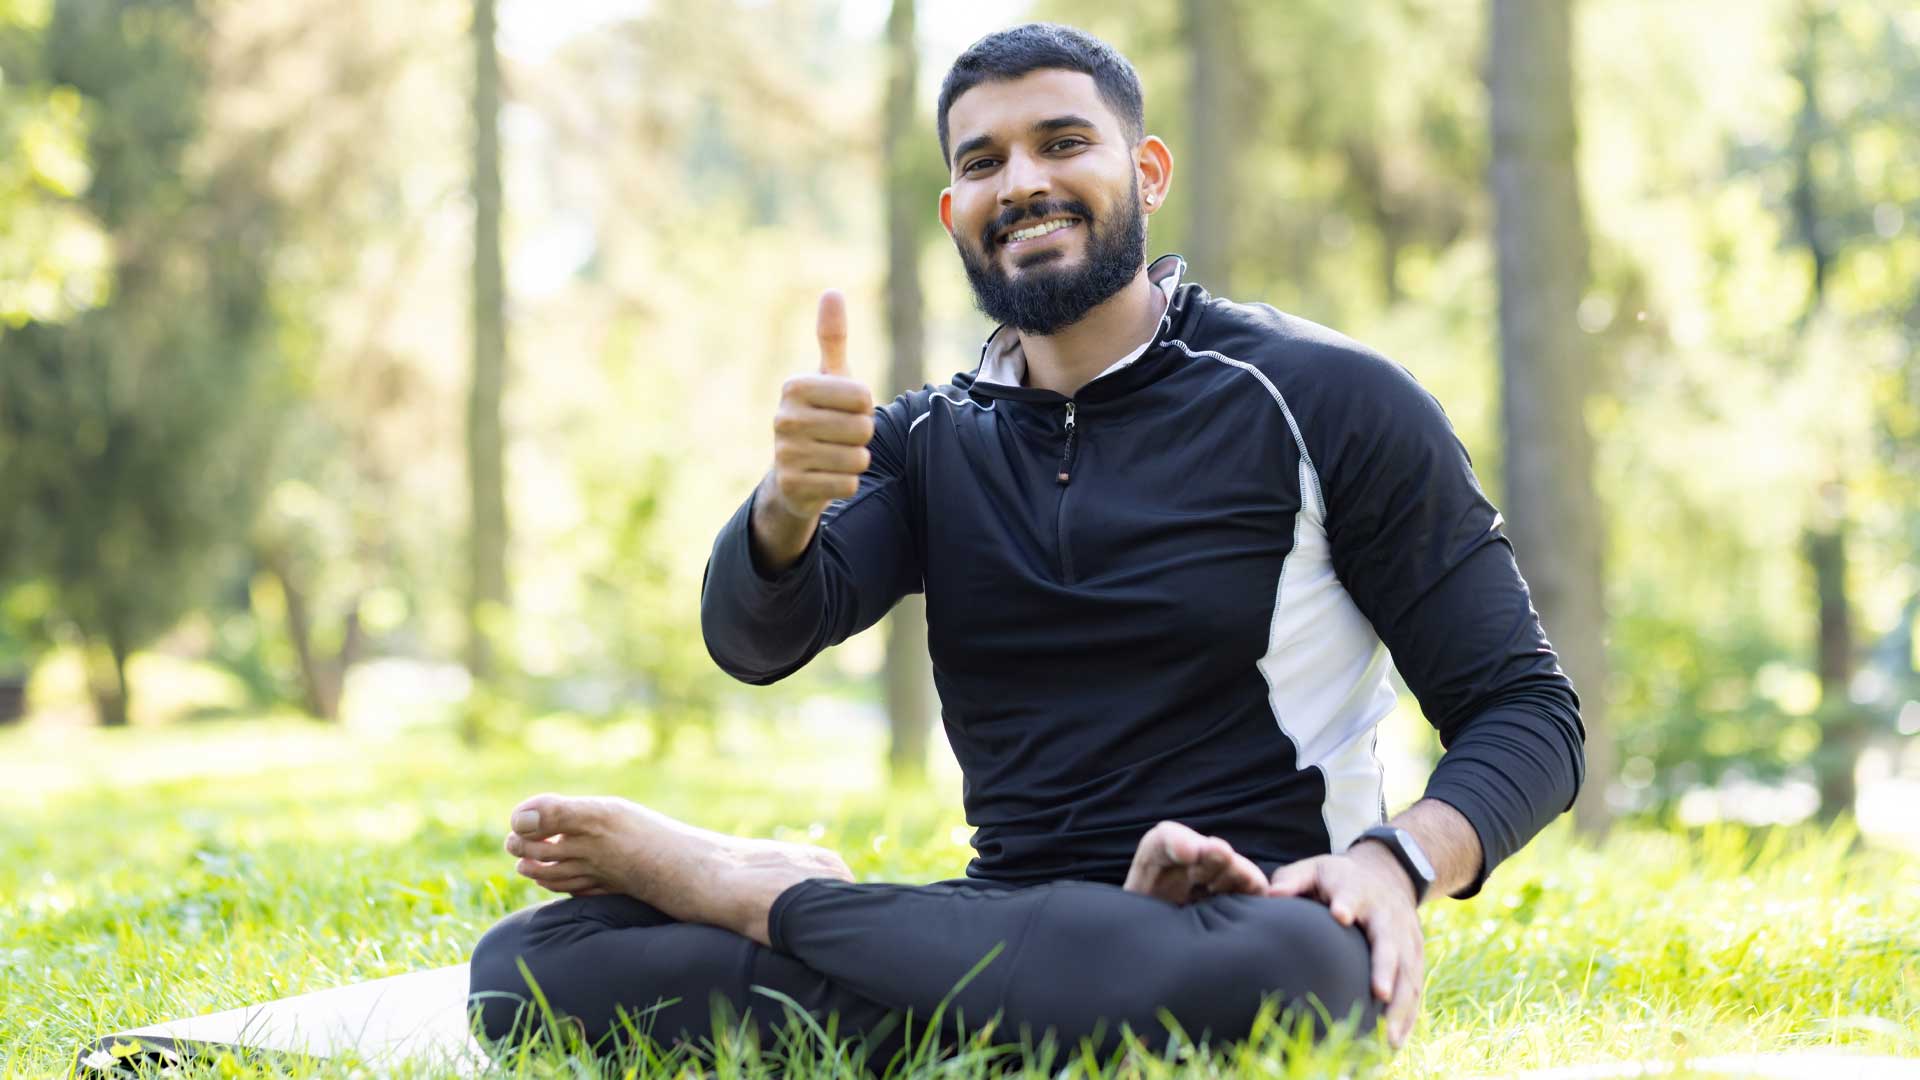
x=1040, y=127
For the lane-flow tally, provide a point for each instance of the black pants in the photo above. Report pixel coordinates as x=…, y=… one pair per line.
x=1076, y=958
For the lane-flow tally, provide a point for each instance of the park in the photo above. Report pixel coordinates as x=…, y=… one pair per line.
x=406, y=412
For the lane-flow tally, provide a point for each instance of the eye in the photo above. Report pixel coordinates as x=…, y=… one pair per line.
x=1071, y=139
x=969, y=166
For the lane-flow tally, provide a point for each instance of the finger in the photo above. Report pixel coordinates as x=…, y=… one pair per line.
x=1150, y=856
x=1211, y=858
x=824, y=457
x=1244, y=876
x=832, y=329
x=1411, y=984
x=1177, y=844
x=574, y=886
x=836, y=392
x=1385, y=966
x=1404, y=1010
x=1170, y=844
x=1161, y=863
x=852, y=426
x=1229, y=872
x=818, y=486
x=1344, y=910
x=1296, y=879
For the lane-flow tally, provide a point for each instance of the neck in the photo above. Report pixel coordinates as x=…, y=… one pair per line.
x=1065, y=361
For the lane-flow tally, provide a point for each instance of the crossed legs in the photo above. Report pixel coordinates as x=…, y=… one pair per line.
x=663, y=912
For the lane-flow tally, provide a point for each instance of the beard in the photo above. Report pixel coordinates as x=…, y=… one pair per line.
x=1044, y=300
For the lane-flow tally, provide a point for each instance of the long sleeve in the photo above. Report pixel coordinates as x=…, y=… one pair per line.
x=863, y=558
x=1420, y=550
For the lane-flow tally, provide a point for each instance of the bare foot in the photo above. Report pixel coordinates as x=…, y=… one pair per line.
x=1179, y=865
x=596, y=845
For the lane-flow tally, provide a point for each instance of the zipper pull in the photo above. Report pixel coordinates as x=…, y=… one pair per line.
x=1066, y=455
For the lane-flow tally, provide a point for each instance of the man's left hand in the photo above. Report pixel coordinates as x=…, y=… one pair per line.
x=1368, y=886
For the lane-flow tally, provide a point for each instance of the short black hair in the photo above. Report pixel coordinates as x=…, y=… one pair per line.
x=1009, y=54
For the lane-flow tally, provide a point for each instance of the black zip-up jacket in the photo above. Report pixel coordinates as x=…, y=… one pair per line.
x=1173, y=596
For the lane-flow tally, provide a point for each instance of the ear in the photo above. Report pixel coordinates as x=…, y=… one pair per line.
x=946, y=210
x=1154, y=163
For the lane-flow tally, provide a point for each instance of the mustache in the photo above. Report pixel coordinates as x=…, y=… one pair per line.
x=1015, y=215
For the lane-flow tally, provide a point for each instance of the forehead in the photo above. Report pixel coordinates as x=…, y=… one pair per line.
x=1004, y=108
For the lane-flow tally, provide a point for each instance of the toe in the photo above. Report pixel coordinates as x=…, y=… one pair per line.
x=544, y=872
x=554, y=850
x=547, y=815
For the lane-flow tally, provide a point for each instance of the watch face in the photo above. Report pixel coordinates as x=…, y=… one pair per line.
x=1419, y=858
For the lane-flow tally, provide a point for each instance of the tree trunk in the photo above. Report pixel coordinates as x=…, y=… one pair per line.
x=1808, y=128
x=315, y=687
x=107, y=680
x=1554, y=517
x=322, y=679
x=487, y=596
x=908, y=675
x=1367, y=171
x=1212, y=136
x=1842, y=728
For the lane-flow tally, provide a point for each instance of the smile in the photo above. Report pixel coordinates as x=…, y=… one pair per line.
x=1030, y=234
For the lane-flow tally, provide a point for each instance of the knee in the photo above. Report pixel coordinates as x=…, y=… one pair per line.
x=1294, y=953
x=497, y=992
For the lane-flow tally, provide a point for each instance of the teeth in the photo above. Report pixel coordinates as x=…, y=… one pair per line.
x=1041, y=229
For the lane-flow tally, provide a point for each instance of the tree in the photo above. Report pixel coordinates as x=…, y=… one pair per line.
x=1210, y=29
x=908, y=678
x=1554, y=516
x=487, y=595
x=135, y=432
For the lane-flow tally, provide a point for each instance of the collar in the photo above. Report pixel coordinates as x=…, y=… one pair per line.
x=1004, y=362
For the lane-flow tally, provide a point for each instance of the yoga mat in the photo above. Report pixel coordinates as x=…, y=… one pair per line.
x=420, y=1016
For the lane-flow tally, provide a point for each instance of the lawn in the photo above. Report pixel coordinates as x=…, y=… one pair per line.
x=160, y=873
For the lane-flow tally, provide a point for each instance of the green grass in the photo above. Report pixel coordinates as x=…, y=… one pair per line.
x=155, y=874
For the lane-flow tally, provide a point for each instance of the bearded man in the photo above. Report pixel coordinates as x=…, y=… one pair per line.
x=1167, y=543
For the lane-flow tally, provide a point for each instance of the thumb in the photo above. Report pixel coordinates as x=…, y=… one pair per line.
x=832, y=329
x=1295, y=879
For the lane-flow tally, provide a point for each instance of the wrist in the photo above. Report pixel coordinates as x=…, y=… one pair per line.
x=1398, y=849
x=777, y=536
x=1375, y=853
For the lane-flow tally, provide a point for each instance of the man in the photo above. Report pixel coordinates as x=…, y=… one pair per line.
x=1163, y=538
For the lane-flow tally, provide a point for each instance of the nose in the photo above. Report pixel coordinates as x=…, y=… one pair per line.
x=1023, y=178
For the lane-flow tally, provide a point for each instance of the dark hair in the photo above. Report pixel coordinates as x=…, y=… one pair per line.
x=1009, y=54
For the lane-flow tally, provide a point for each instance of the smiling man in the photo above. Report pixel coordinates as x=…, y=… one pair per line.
x=1168, y=542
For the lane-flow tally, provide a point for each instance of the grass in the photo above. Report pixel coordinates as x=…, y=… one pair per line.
x=160, y=873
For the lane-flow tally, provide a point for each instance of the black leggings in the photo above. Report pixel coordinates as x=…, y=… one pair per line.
x=1076, y=958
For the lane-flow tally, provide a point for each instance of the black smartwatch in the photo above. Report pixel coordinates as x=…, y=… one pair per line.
x=1407, y=851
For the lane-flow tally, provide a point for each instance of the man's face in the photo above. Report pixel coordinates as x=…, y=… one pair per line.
x=1044, y=205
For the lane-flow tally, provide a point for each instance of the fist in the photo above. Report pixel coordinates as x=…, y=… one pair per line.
x=821, y=430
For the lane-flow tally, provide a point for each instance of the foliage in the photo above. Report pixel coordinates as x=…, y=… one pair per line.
x=347, y=857
x=133, y=432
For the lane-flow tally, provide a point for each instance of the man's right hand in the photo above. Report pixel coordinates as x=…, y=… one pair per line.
x=820, y=435
x=1179, y=865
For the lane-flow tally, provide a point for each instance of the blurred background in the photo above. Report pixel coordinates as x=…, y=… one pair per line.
x=382, y=368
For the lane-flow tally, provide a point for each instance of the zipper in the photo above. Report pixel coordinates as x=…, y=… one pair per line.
x=1066, y=455
x=1060, y=515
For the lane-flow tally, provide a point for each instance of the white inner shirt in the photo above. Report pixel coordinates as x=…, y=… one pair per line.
x=1005, y=362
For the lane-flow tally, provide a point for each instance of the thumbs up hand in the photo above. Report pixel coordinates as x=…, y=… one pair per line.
x=821, y=429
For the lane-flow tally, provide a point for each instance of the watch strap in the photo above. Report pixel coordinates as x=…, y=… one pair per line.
x=1396, y=840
